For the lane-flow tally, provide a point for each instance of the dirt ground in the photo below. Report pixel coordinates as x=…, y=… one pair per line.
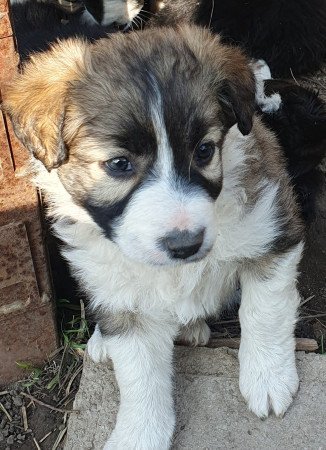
x=41, y=421
x=24, y=422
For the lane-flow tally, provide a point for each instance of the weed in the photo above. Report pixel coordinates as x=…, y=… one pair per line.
x=35, y=373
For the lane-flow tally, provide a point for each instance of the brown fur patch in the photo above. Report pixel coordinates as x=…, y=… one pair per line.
x=268, y=163
x=119, y=323
x=36, y=100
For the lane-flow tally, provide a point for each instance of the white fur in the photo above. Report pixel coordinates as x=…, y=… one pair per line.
x=114, y=11
x=97, y=348
x=195, y=333
x=268, y=312
x=188, y=291
x=119, y=11
x=143, y=368
x=87, y=18
x=268, y=104
x=164, y=163
x=169, y=296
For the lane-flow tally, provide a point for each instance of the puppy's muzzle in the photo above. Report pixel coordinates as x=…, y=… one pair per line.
x=183, y=244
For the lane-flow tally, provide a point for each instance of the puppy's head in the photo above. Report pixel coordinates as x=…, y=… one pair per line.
x=134, y=126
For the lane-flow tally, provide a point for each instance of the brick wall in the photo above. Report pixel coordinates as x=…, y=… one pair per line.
x=27, y=321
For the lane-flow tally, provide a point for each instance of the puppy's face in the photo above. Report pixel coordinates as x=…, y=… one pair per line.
x=144, y=121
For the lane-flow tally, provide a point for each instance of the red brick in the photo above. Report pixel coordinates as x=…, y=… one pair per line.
x=27, y=320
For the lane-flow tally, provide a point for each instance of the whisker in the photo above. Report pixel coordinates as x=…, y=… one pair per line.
x=212, y=11
x=136, y=21
x=147, y=12
x=142, y=22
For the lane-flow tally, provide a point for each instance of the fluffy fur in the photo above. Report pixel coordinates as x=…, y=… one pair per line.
x=147, y=135
x=38, y=24
x=297, y=116
x=121, y=12
x=290, y=35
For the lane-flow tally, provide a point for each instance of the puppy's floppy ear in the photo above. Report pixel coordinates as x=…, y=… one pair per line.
x=234, y=79
x=238, y=104
x=237, y=90
x=36, y=100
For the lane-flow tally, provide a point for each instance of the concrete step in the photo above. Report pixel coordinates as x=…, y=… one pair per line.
x=211, y=413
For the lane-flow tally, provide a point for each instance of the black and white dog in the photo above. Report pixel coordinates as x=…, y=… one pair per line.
x=37, y=24
x=297, y=116
x=167, y=190
x=290, y=35
x=91, y=12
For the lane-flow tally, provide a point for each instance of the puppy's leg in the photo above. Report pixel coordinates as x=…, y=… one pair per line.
x=195, y=333
x=268, y=312
x=141, y=350
x=97, y=348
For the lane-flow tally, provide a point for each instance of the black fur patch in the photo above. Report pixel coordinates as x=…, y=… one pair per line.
x=290, y=35
x=104, y=215
x=38, y=25
x=300, y=126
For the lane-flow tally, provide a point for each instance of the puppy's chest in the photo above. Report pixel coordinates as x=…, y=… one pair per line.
x=205, y=296
x=186, y=291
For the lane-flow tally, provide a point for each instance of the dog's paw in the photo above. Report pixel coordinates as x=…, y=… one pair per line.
x=97, y=347
x=268, y=387
x=139, y=440
x=195, y=333
x=117, y=442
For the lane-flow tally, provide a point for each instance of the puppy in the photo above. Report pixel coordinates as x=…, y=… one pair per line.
x=38, y=24
x=290, y=35
x=297, y=116
x=103, y=12
x=167, y=191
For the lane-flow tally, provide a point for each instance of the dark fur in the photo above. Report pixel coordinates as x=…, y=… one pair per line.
x=37, y=25
x=290, y=35
x=300, y=126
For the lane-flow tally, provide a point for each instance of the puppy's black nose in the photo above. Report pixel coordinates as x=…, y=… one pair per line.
x=182, y=244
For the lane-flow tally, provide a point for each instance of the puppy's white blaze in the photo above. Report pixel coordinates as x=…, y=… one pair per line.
x=164, y=163
x=268, y=312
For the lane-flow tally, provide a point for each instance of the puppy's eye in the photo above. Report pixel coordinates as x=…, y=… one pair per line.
x=204, y=153
x=119, y=166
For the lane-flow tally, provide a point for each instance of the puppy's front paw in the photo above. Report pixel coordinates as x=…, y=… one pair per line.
x=195, y=333
x=267, y=386
x=156, y=438
x=97, y=347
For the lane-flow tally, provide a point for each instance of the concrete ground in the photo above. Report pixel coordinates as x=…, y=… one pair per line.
x=211, y=413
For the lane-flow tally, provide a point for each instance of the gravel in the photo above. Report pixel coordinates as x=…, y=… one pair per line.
x=11, y=432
